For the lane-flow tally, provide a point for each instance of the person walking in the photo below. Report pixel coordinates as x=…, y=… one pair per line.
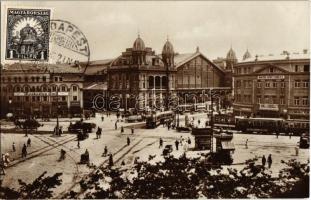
x=78, y=144
x=128, y=141
x=176, y=144
x=189, y=141
x=13, y=147
x=24, y=151
x=263, y=160
x=246, y=145
x=269, y=161
x=161, y=143
x=110, y=160
x=105, y=151
x=102, y=118
x=116, y=125
x=122, y=129
x=132, y=129
x=297, y=151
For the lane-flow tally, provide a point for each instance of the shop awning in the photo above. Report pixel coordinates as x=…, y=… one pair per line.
x=227, y=145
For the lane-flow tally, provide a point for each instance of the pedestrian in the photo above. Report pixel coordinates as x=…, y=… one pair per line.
x=199, y=121
x=122, y=129
x=176, y=144
x=181, y=140
x=132, y=130
x=102, y=118
x=290, y=135
x=105, y=151
x=78, y=143
x=263, y=160
x=24, y=151
x=13, y=147
x=60, y=132
x=128, y=141
x=116, y=125
x=269, y=161
x=29, y=142
x=297, y=151
x=246, y=145
x=161, y=143
x=189, y=141
x=277, y=134
x=110, y=160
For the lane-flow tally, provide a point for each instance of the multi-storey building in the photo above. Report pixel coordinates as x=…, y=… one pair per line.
x=41, y=90
x=140, y=75
x=273, y=86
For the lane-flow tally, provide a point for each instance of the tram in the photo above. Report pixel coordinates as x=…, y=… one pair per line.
x=154, y=120
x=297, y=126
x=260, y=125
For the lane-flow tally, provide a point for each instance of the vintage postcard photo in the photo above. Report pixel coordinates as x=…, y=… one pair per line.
x=155, y=100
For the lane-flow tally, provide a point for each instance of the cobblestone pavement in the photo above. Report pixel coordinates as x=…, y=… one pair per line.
x=43, y=155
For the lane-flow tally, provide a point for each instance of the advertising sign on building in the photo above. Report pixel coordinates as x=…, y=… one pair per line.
x=40, y=94
x=271, y=77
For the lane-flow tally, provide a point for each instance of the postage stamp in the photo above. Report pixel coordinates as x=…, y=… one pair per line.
x=68, y=43
x=27, y=34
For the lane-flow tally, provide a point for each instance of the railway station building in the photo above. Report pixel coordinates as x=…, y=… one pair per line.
x=141, y=78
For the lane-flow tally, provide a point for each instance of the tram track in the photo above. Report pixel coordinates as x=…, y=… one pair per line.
x=63, y=194
x=41, y=151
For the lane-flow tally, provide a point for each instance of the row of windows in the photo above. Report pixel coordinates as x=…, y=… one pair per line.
x=301, y=68
x=301, y=101
x=29, y=79
x=301, y=83
x=44, y=88
x=243, y=70
x=44, y=98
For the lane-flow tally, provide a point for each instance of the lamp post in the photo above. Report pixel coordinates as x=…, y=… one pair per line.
x=57, y=107
x=10, y=102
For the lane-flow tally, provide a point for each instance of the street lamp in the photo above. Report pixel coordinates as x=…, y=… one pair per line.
x=10, y=101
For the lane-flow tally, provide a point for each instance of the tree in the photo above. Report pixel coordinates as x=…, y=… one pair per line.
x=40, y=188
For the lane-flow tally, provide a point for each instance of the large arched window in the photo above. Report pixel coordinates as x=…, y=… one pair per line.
x=151, y=81
x=63, y=88
x=157, y=81
x=164, y=82
x=26, y=88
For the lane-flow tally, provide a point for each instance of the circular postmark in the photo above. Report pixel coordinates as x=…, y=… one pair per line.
x=68, y=43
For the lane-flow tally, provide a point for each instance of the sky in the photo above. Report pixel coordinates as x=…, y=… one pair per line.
x=263, y=27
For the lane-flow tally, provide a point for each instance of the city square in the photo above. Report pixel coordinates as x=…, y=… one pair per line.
x=114, y=103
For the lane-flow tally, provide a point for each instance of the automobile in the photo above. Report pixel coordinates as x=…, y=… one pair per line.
x=167, y=149
x=87, y=127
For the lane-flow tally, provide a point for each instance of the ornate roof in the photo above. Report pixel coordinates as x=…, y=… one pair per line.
x=168, y=48
x=231, y=55
x=139, y=44
x=246, y=55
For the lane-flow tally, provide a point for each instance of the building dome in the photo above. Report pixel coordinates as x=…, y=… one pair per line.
x=168, y=48
x=139, y=44
x=231, y=55
x=28, y=34
x=246, y=55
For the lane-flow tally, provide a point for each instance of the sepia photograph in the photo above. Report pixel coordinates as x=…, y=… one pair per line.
x=155, y=99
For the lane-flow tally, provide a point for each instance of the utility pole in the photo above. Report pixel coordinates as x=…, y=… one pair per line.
x=212, y=122
x=57, y=120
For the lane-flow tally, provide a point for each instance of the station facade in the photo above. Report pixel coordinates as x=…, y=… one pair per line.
x=140, y=78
